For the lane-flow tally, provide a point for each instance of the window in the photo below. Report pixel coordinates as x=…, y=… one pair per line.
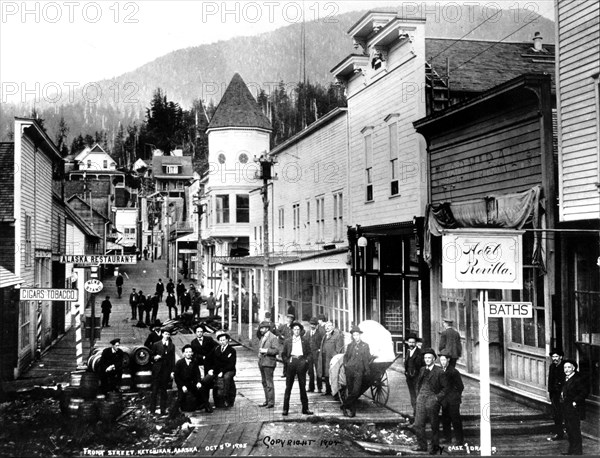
x=104, y=164
x=308, y=221
x=338, y=213
x=171, y=169
x=320, y=219
x=296, y=212
x=89, y=164
x=369, y=166
x=242, y=213
x=393, y=137
x=129, y=233
x=280, y=219
x=24, y=323
x=222, y=209
x=28, y=251
x=179, y=185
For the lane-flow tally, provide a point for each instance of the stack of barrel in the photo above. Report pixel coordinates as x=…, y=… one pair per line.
x=137, y=373
x=81, y=399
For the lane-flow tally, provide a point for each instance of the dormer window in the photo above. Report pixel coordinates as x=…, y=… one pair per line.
x=105, y=164
x=171, y=169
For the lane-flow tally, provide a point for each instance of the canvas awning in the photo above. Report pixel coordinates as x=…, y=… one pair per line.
x=7, y=278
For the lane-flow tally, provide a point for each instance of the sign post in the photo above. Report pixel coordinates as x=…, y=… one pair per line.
x=484, y=259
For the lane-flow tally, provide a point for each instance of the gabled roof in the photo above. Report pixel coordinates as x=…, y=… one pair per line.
x=185, y=162
x=238, y=108
x=74, y=216
x=75, y=196
x=7, y=185
x=476, y=66
x=96, y=149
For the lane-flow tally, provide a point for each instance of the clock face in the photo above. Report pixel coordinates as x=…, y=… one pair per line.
x=243, y=158
x=221, y=158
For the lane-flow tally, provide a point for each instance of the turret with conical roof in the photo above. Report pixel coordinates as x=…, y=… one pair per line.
x=238, y=108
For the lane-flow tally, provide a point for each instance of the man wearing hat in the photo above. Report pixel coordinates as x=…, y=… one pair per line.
x=451, y=402
x=106, y=309
x=331, y=345
x=155, y=334
x=163, y=368
x=296, y=351
x=572, y=399
x=191, y=392
x=432, y=388
x=413, y=361
x=285, y=332
x=450, y=341
x=556, y=380
x=111, y=367
x=315, y=336
x=356, y=365
x=133, y=300
x=224, y=361
x=268, y=349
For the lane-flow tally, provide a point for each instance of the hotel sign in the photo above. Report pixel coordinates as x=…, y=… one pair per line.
x=48, y=294
x=482, y=259
x=94, y=259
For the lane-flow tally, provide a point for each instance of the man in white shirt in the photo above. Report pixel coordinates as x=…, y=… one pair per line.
x=296, y=351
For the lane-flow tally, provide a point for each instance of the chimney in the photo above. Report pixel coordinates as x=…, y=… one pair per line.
x=537, y=42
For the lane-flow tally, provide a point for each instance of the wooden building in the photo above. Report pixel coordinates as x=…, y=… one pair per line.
x=578, y=93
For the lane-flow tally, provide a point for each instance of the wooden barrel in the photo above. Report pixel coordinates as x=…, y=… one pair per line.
x=76, y=378
x=94, y=361
x=100, y=398
x=88, y=387
x=108, y=411
x=87, y=411
x=114, y=396
x=142, y=379
x=65, y=398
x=126, y=382
x=127, y=358
x=140, y=355
x=74, y=404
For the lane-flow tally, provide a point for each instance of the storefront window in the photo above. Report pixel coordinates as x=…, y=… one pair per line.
x=530, y=331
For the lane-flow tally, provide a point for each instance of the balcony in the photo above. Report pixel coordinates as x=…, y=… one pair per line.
x=180, y=227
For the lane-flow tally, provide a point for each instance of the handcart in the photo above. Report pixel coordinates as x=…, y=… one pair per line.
x=381, y=346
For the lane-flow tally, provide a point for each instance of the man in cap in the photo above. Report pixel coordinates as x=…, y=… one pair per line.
x=572, y=398
x=356, y=365
x=284, y=332
x=413, y=361
x=451, y=402
x=268, y=349
x=296, y=351
x=224, y=356
x=431, y=390
x=450, y=341
x=163, y=368
x=315, y=336
x=556, y=380
x=111, y=367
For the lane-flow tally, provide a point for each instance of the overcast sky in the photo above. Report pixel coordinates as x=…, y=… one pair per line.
x=77, y=41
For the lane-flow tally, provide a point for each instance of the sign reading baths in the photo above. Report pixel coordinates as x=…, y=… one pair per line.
x=482, y=259
x=48, y=294
x=98, y=259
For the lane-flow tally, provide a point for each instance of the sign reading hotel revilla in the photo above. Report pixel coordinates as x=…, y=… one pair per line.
x=482, y=259
x=95, y=259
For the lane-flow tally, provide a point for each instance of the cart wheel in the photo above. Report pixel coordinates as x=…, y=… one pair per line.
x=380, y=390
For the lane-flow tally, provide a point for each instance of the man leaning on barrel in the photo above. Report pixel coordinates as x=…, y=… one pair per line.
x=111, y=367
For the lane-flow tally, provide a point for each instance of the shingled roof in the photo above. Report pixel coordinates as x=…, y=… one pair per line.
x=476, y=66
x=238, y=108
x=7, y=185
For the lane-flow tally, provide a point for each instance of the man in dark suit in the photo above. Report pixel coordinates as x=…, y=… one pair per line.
x=141, y=304
x=155, y=303
x=203, y=347
x=450, y=342
x=163, y=367
x=296, y=351
x=451, y=402
x=284, y=331
x=315, y=337
x=180, y=290
x=133, y=303
x=191, y=392
x=356, y=365
x=111, y=367
x=572, y=398
x=432, y=388
x=160, y=289
x=224, y=366
x=155, y=334
x=413, y=361
x=556, y=380
x=268, y=349
x=186, y=301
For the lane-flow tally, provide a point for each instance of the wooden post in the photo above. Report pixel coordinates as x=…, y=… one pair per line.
x=484, y=378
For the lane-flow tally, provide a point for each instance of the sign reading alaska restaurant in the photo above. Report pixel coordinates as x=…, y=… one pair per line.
x=482, y=259
x=94, y=259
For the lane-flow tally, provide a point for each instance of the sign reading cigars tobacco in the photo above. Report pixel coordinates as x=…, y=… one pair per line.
x=48, y=294
x=486, y=259
x=99, y=259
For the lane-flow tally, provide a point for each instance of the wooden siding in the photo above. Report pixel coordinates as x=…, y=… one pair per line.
x=389, y=95
x=527, y=371
x=578, y=61
x=496, y=154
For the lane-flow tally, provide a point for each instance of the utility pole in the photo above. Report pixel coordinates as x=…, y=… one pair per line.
x=266, y=173
x=168, y=230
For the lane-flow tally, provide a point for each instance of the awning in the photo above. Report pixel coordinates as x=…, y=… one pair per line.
x=188, y=238
x=314, y=260
x=112, y=246
x=7, y=278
